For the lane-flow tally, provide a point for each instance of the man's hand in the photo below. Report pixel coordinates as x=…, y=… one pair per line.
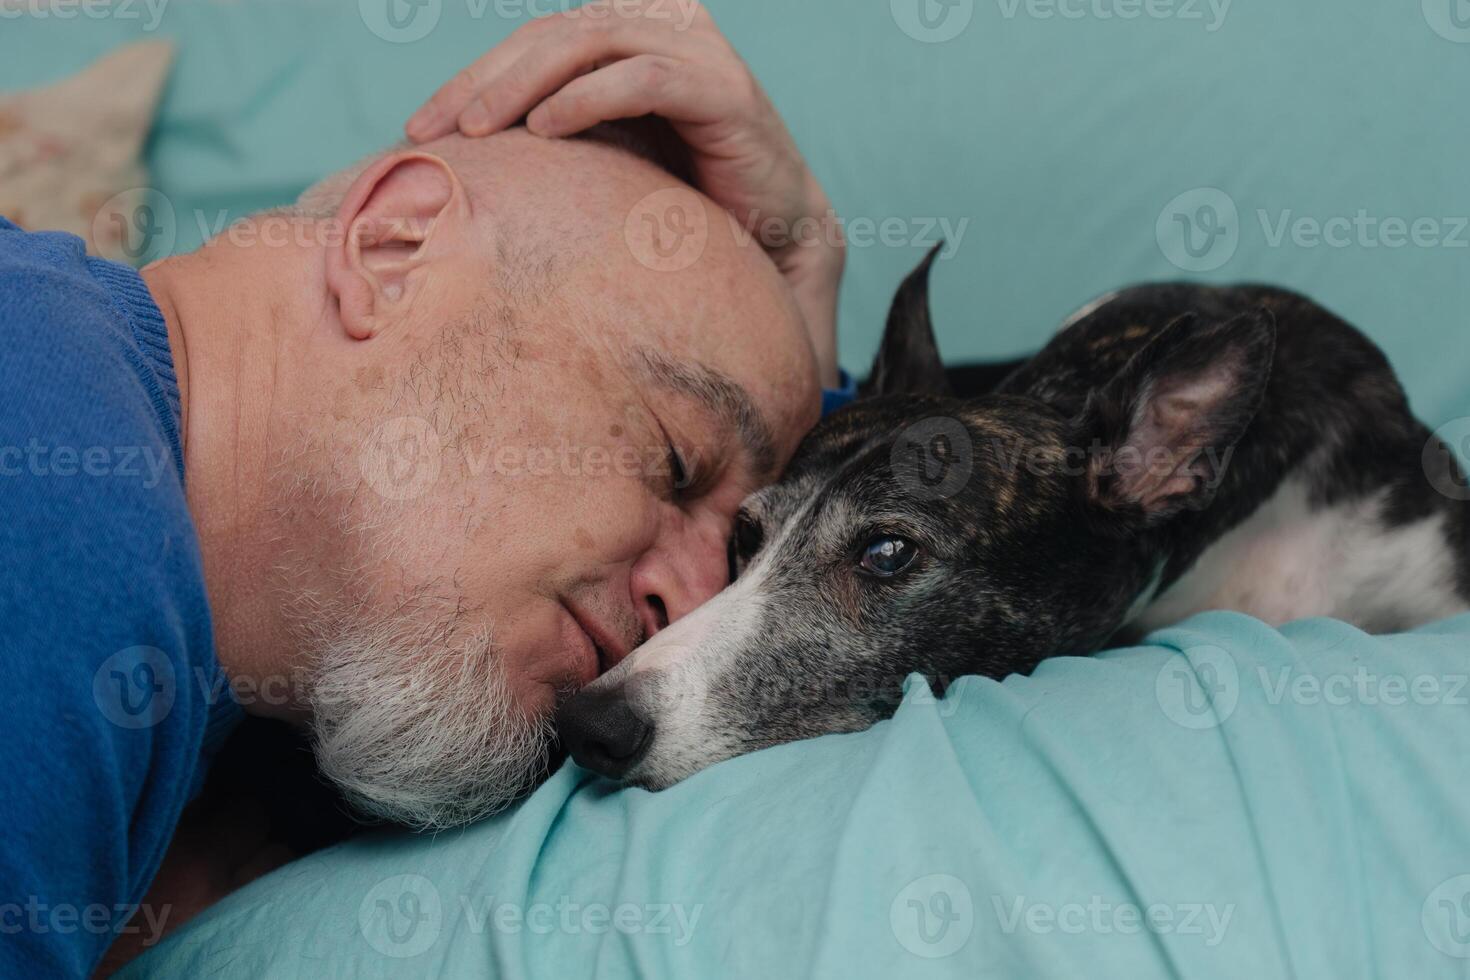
x=612, y=59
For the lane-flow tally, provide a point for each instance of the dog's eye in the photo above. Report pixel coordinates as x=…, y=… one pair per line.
x=744, y=542
x=888, y=555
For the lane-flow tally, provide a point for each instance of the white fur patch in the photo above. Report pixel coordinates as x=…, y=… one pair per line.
x=684, y=658
x=1291, y=561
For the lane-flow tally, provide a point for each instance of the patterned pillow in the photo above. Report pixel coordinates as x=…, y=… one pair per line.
x=70, y=153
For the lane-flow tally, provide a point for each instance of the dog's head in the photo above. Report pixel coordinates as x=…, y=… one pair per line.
x=917, y=532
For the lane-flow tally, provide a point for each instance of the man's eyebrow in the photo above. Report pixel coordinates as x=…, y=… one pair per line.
x=720, y=394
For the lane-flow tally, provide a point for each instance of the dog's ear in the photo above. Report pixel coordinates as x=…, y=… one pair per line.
x=1160, y=435
x=908, y=360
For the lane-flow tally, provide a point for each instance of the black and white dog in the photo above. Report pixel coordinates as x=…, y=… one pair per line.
x=1175, y=448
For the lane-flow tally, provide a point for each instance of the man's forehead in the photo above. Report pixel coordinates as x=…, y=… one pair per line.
x=720, y=394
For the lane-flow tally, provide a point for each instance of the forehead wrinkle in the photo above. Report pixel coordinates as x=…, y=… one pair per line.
x=720, y=394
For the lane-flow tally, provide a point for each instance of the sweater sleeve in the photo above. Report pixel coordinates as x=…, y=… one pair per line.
x=111, y=688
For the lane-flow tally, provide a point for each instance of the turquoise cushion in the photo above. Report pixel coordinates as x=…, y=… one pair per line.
x=1058, y=140
x=1231, y=802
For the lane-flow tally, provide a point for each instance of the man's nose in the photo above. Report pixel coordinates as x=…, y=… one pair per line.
x=685, y=568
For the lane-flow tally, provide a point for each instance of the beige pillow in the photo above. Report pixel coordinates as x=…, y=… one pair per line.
x=70, y=153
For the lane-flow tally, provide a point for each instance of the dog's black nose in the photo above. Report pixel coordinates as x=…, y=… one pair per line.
x=602, y=732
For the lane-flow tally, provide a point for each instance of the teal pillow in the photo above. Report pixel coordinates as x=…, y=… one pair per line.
x=1231, y=802
x=1065, y=145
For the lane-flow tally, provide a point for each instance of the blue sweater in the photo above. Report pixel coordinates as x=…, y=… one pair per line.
x=111, y=698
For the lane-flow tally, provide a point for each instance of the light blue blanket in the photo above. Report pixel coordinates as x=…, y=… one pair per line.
x=1230, y=802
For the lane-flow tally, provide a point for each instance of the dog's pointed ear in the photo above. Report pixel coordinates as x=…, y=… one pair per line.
x=908, y=360
x=1160, y=435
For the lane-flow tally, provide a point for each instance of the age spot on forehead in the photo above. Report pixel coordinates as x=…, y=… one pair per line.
x=615, y=430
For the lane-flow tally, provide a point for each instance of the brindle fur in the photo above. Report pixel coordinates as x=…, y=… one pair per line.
x=1030, y=556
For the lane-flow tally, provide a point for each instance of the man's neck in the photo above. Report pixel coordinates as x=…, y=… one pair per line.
x=231, y=313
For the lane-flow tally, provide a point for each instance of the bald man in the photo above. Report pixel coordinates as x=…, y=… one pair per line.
x=408, y=475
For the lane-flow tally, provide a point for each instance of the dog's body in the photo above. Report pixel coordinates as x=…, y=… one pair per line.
x=1175, y=448
x=1324, y=508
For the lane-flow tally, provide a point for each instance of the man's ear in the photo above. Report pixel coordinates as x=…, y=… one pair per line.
x=908, y=360
x=1160, y=435
x=391, y=216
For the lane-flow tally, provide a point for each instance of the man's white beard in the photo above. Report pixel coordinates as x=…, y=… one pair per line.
x=416, y=723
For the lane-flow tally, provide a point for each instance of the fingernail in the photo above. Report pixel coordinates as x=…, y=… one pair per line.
x=539, y=122
x=476, y=120
x=418, y=125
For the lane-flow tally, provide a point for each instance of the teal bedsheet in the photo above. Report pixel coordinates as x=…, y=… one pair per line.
x=1055, y=142
x=1230, y=802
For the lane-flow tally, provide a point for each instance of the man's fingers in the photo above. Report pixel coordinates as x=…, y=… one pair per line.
x=440, y=115
x=558, y=59
x=625, y=89
x=539, y=57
